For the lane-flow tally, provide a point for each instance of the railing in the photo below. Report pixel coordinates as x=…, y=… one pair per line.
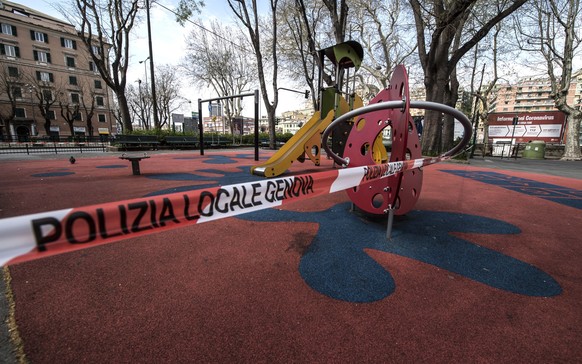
x=32, y=145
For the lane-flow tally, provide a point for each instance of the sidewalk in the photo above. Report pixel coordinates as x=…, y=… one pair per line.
x=553, y=167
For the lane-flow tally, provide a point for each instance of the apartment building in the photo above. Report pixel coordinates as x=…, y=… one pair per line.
x=292, y=121
x=48, y=80
x=526, y=111
x=533, y=94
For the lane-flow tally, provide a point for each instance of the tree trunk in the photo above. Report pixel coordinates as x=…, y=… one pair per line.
x=436, y=83
x=272, y=127
x=451, y=97
x=572, y=148
x=124, y=111
x=47, y=125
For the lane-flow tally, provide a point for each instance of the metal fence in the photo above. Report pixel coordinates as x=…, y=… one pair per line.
x=18, y=144
x=51, y=148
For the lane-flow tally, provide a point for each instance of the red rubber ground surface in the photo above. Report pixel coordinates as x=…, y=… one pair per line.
x=230, y=290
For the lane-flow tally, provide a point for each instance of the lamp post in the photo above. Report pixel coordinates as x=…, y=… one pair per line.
x=151, y=57
x=515, y=121
x=30, y=89
x=141, y=105
x=192, y=117
x=305, y=93
x=145, y=71
x=142, y=97
x=514, y=124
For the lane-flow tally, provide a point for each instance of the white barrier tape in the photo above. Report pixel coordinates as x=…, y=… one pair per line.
x=40, y=235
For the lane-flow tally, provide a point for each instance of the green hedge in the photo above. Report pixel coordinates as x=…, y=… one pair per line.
x=245, y=140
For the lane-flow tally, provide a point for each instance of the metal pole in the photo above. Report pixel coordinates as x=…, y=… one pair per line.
x=390, y=223
x=256, y=125
x=153, y=79
x=515, y=120
x=200, y=127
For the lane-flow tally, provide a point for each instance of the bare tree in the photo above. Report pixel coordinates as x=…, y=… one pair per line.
x=445, y=32
x=10, y=88
x=70, y=111
x=87, y=98
x=219, y=60
x=552, y=31
x=338, y=15
x=375, y=24
x=297, y=53
x=45, y=92
x=308, y=21
x=249, y=18
x=484, y=93
x=139, y=102
x=168, y=94
x=105, y=27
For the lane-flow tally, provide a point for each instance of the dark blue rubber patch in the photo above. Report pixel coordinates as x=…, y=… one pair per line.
x=222, y=179
x=562, y=195
x=336, y=265
x=52, y=174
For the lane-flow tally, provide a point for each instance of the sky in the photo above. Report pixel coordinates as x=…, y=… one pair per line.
x=168, y=40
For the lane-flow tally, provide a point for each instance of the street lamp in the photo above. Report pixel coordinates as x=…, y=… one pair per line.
x=145, y=71
x=141, y=105
x=514, y=124
x=30, y=89
x=151, y=57
x=306, y=92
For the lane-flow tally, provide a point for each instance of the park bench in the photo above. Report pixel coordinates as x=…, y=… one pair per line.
x=265, y=143
x=220, y=143
x=139, y=141
x=134, y=159
x=182, y=141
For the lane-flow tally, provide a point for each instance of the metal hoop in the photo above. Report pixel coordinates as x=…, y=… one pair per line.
x=427, y=105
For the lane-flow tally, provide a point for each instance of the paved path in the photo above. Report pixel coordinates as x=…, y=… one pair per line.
x=554, y=167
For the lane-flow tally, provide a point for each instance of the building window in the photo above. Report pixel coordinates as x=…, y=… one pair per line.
x=40, y=56
x=17, y=92
x=12, y=71
x=98, y=84
x=47, y=95
x=96, y=50
x=70, y=62
x=75, y=98
x=101, y=118
x=38, y=36
x=68, y=43
x=51, y=115
x=19, y=112
x=73, y=80
x=99, y=101
x=45, y=76
x=9, y=50
x=78, y=117
x=8, y=29
x=92, y=66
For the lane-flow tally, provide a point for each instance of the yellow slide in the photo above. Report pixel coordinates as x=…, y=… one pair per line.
x=307, y=141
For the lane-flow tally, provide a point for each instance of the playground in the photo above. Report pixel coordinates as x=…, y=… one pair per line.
x=485, y=268
x=334, y=248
